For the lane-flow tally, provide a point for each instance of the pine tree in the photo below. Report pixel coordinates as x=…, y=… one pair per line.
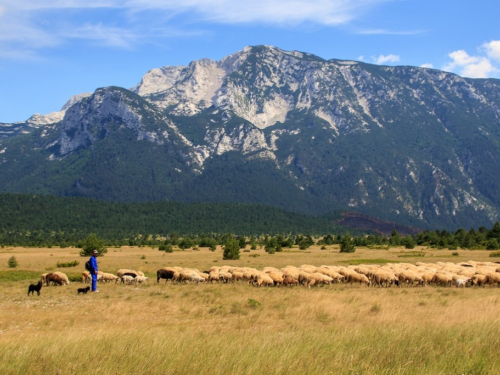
x=91, y=243
x=231, y=250
x=12, y=263
x=347, y=244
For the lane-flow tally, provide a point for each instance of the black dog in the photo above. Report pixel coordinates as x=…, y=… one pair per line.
x=35, y=288
x=83, y=290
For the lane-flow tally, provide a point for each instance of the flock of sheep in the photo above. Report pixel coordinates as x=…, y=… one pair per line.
x=399, y=274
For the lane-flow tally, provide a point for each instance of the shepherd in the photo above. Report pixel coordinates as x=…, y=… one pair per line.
x=93, y=270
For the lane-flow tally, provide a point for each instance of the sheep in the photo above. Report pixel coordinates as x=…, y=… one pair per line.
x=35, y=288
x=442, y=279
x=43, y=277
x=165, y=274
x=357, y=278
x=213, y=276
x=384, y=278
x=141, y=279
x=108, y=277
x=127, y=279
x=479, y=279
x=409, y=277
x=63, y=277
x=277, y=277
x=196, y=278
x=237, y=275
x=317, y=278
x=225, y=277
x=85, y=276
x=124, y=271
x=55, y=279
x=493, y=278
x=262, y=278
x=289, y=280
x=461, y=282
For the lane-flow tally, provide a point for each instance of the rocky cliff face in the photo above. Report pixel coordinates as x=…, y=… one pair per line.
x=403, y=143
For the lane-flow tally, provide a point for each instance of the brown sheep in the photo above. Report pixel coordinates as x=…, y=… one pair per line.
x=357, y=278
x=289, y=280
x=493, y=278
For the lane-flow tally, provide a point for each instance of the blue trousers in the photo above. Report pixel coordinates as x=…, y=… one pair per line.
x=94, y=282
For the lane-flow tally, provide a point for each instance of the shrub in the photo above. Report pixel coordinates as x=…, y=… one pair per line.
x=231, y=250
x=91, y=243
x=253, y=303
x=12, y=262
x=347, y=244
x=495, y=254
x=68, y=264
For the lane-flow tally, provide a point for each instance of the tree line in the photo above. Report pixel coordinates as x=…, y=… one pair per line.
x=45, y=221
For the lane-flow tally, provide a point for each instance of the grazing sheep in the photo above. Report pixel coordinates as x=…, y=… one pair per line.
x=493, y=278
x=85, y=276
x=141, y=279
x=213, y=276
x=54, y=278
x=108, y=277
x=127, y=279
x=409, y=277
x=165, y=274
x=384, y=278
x=277, y=277
x=83, y=290
x=225, y=277
x=262, y=278
x=442, y=279
x=317, y=278
x=357, y=278
x=35, y=288
x=479, y=279
x=461, y=282
x=289, y=280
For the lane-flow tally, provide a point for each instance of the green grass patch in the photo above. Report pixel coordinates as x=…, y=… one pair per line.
x=495, y=254
x=354, y=262
x=18, y=275
x=67, y=264
x=412, y=254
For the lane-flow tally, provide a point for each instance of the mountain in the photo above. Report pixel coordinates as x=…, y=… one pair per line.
x=412, y=145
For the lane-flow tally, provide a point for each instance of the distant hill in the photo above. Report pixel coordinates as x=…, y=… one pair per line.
x=403, y=144
x=74, y=218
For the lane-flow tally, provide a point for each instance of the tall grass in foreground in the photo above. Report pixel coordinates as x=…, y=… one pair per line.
x=238, y=329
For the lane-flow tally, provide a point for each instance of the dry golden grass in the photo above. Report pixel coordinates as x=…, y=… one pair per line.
x=239, y=329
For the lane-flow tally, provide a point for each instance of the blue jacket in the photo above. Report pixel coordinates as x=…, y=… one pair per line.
x=93, y=263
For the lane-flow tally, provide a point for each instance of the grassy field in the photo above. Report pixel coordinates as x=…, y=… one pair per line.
x=239, y=329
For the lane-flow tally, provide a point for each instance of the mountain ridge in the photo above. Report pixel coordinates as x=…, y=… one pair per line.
x=406, y=144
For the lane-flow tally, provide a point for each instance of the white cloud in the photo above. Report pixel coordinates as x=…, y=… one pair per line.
x=326, y=12
x=32, y=25
x=383, y=59
x=389, y=32
x=493, y=49
x=474, y=66
x=427, y=65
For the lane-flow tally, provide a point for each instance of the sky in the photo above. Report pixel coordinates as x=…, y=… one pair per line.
x=53, y=49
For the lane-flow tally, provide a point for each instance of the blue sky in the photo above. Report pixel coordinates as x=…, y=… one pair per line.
x=53, y=49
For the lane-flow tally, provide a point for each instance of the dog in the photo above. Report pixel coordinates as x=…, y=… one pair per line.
x=35, y=288
x=83, y=290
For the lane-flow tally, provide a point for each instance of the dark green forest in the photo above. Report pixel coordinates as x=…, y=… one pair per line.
x=40, y=221
x=30, y=220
